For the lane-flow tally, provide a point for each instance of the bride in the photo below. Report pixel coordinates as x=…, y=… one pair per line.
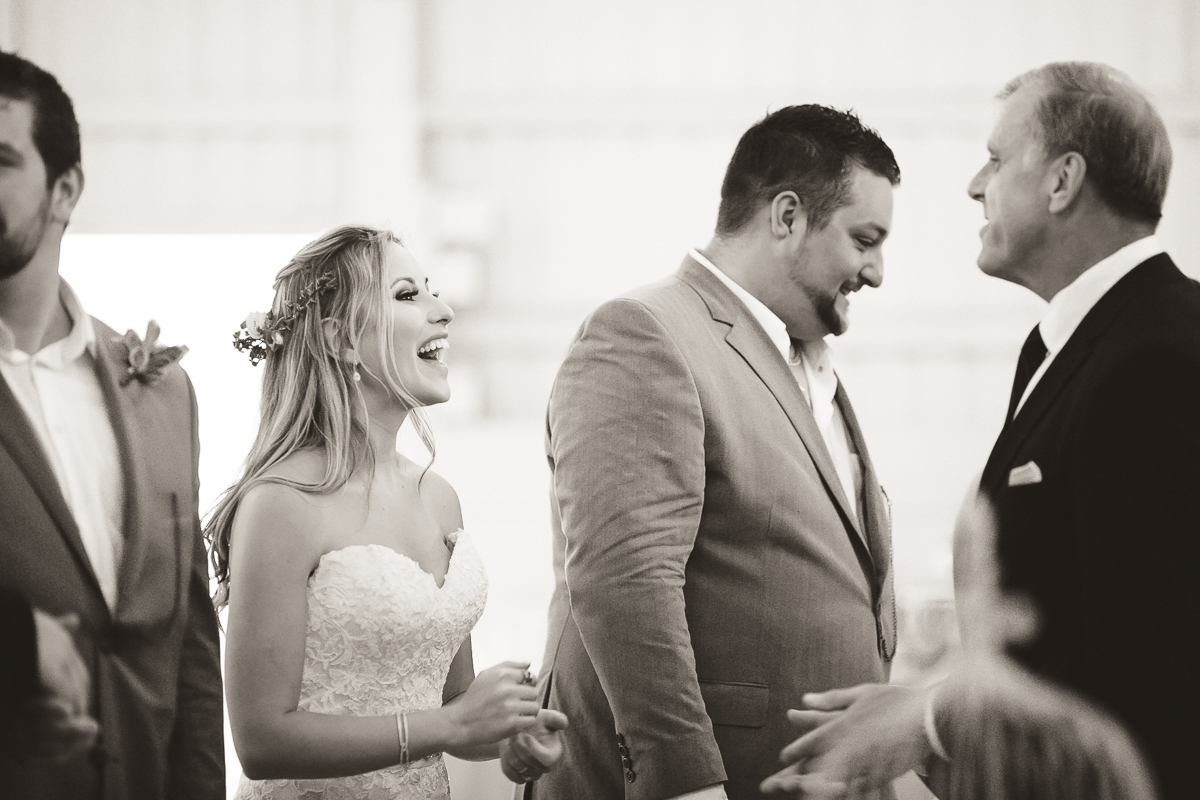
x=351, y=586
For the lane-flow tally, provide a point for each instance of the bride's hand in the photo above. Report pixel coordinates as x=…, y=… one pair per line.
x=529, y=755
x=497, y=705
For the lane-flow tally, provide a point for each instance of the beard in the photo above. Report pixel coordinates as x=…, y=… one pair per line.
x=18, y=247
x=826, y=308
x=828, y=314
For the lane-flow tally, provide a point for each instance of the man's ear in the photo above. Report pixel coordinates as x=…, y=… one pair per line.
x=788, y=217
x=64, y=194
x=1065, y=177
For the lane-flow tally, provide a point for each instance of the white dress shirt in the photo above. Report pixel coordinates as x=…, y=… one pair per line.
x=817, y=380
x=60, y=393
x=1069, y=307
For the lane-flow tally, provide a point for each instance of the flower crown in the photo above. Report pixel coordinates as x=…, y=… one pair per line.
x=261, y=332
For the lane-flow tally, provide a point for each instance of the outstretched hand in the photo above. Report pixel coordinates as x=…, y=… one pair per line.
x=534, y=752
x=856, y=742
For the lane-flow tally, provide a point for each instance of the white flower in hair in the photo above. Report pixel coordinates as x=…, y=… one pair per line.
x=262, y=332
x=255, y=324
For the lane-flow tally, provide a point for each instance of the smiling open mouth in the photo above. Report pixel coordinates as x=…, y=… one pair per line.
x=432, y=351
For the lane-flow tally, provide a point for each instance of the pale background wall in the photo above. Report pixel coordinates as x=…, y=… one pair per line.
x=541, y=156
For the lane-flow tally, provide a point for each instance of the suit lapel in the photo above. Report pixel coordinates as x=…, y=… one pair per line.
x=120, y=417
x=1068, y=361
x=875, y=515
x=151, y=564
x=748, y=338
x=1040, y=400
x=18, y=437
x=877, y=519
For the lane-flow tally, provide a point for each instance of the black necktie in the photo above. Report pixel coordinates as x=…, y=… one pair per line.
x=1033, y=353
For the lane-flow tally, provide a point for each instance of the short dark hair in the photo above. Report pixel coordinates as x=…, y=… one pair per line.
x=1098, y=112
x=55, y=130
x=810, y=150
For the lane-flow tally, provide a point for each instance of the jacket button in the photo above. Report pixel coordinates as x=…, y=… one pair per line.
x=630, y=776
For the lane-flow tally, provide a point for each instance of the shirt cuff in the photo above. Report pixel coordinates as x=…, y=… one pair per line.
x=714, y=792
x=935, y=741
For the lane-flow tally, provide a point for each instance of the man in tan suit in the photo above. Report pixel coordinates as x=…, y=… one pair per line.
x=721, y=539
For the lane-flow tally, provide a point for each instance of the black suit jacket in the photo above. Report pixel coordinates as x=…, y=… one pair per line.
x=154, y=659
x=1107, y=544
x=18, y=656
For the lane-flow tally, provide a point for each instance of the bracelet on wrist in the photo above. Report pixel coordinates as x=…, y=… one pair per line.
x=931, y=733
x=402, y=734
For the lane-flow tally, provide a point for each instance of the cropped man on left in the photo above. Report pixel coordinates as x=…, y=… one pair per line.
x=99, y=524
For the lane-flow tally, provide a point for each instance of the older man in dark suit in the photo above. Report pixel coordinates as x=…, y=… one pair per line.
x=98, y=491
x=1095, y=474
x=722, y=539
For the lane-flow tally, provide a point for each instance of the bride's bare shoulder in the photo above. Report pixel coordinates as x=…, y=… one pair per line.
x=305, y=466
x=288, y=496
x=442, y=501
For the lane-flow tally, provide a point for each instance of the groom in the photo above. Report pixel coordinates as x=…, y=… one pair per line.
x=722, y=543
x=98, y=494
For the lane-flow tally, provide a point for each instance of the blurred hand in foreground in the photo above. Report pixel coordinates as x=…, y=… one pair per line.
x=856, y=742
x=61, y=726
x=534, y=752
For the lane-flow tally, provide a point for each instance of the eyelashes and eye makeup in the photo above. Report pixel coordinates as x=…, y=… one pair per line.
x=406, y=289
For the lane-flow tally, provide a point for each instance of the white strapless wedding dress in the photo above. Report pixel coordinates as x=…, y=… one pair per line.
x=381, y=636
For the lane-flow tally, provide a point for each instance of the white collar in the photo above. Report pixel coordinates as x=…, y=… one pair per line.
x=775, y=328
x=81, y=337
x=820, y=382
x=1069, y=307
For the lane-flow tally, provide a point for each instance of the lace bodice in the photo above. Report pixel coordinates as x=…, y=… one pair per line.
x=381, y=636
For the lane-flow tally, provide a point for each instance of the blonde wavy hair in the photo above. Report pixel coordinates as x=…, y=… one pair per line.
x=310, y=399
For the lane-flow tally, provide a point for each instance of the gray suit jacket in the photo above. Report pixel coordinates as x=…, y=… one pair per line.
x=154, y=660
x=710, y=568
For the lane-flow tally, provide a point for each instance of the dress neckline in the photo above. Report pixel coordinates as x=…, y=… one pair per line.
x=451, y=540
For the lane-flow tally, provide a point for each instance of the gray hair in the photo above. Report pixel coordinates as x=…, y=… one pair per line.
x=1098, y=112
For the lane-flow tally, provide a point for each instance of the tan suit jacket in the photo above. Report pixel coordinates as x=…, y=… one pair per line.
x=710, y=568
x=154, y=660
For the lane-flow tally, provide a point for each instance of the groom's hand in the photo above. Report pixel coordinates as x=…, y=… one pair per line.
x=532, y=753
x=857, y=742
x=62, y=727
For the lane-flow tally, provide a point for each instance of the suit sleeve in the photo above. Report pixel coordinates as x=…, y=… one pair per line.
x=197, y=754
x=1137, y=497
x=627, y=444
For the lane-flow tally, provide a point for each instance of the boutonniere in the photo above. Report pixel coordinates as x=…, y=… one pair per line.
x=146, y=360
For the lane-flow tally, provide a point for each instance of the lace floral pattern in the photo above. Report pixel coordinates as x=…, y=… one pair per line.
x=381, y=636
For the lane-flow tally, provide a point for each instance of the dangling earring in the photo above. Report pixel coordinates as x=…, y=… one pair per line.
x=350, y=355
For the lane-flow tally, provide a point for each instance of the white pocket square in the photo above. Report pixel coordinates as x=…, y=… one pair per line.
x=1025, y=474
